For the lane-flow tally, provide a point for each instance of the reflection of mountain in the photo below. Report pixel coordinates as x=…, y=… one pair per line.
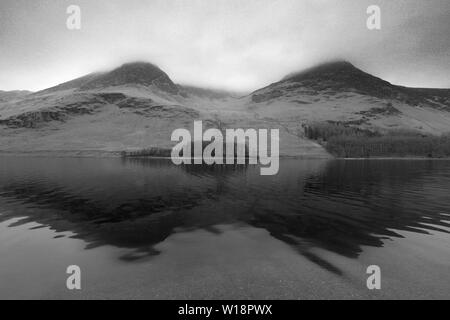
x=137, y=105
x=138, y=204
x=355, y=204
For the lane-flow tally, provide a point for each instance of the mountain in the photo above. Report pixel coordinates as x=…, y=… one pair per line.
x=137, y=106
x=342, y=76
x=131, y=107
x=136, y=73
x=145, y=74
x=340, y=92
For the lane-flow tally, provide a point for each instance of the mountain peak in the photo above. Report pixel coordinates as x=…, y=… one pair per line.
x=337, y=77
x=334, y=67
x=343, y=76
x=139, y=68
x=133, y=73
x=141, y=73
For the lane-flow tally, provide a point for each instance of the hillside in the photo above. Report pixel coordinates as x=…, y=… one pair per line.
x=137, y=105
x=340, y=92
x=6, y=96
x=132, y=107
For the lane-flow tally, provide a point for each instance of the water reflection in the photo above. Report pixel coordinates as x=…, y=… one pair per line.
x=339, y=206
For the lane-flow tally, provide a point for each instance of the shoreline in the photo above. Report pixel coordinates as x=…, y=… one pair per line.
x=394, y=158
x=118, y=154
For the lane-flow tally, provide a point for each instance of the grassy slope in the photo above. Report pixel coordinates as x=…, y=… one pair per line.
x=111, y=128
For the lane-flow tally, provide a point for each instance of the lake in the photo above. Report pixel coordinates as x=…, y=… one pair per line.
x=141, y=228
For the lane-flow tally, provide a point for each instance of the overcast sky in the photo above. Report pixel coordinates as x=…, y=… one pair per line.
x=239, y=45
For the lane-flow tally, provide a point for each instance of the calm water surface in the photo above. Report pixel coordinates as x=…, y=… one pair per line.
x=148, y=229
